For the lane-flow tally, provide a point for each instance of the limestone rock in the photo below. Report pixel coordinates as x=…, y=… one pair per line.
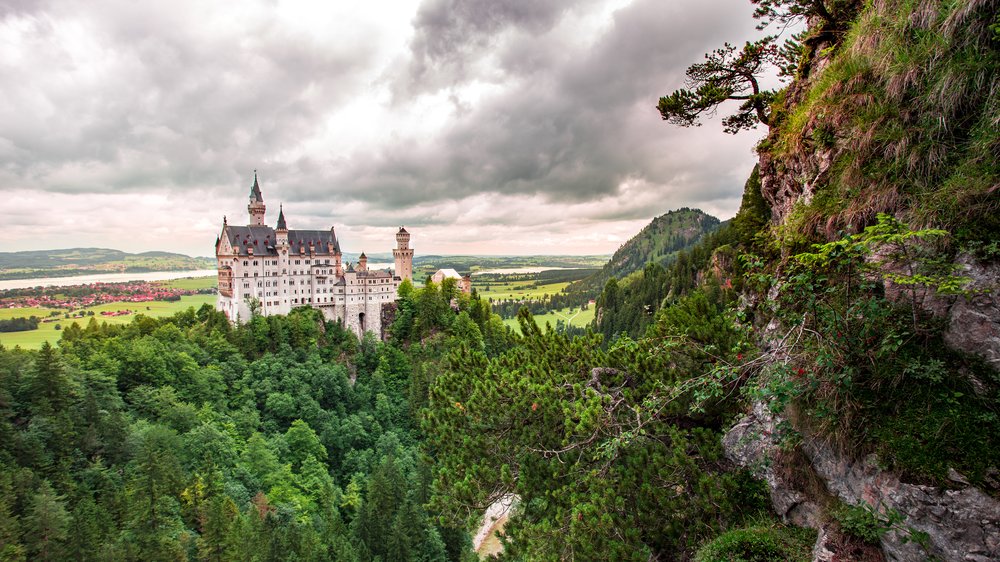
x=974, y=321
x=753, y=443
x=962, y=525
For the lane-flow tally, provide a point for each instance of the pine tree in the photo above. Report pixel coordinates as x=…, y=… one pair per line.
x=11, y=547
x=88, y=531
x=49, y=386
x=386, y=490
x=46, y=525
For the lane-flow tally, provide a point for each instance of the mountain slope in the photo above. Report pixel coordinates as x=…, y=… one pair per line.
x=658, y=242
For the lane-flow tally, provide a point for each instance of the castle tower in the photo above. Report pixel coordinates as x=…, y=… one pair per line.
x=284, y=305
x=256, y=207
x=281, y=232
x=403, y=255
x=363, y=262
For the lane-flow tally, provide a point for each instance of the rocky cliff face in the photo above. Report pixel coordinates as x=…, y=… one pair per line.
x=887, y=120
x=961, y=525
x=974, y=320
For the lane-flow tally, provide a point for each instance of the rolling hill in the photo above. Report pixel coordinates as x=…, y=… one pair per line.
x=82, y=261
x=659, y=242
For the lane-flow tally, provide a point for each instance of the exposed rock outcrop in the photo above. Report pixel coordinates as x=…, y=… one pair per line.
x=754, y=443
x=961, y=524
x=974, y=320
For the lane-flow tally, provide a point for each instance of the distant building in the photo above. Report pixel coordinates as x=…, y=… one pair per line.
x=276, y=270
x=463, y=282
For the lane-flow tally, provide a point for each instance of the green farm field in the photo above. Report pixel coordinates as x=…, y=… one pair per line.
x=516, y=289
x=47, y=331
x=575, y=316
x=192, y=283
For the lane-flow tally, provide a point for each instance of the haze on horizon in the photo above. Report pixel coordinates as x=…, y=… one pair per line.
x=485, y=126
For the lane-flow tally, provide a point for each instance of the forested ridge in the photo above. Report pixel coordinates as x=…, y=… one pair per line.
x=82, y=261
x=658, y=242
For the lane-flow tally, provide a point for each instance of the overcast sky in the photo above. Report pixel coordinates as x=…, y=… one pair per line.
x=484, y=126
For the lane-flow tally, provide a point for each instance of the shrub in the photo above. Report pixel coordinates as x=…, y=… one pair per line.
x=759, y=544
x=861, y=522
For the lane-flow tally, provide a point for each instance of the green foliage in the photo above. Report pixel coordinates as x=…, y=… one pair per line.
x=661, y=241
x=907, y=103
x=783, y=12
x=759, y=543
x=45, y=524
x=863, y=522
x=630, y=306
x=754, y=215
x=868, y=524
x=593, y=441
x=866, y=364
x=726, y=74
x=19, y=324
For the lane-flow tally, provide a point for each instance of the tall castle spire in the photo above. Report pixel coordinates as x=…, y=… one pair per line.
x=281, y=218
x=255, y=190
x=256, y=208
x=281, y=232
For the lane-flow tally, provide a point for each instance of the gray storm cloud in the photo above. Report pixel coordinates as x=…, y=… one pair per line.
x=543, y=103
x=569, y=130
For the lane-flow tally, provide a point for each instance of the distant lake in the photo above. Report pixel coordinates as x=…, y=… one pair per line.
x=104, y=278
x=502, y=270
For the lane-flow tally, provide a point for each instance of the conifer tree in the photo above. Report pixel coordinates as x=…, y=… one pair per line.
x=11, y=547
x=49, y=386
x=46, y=525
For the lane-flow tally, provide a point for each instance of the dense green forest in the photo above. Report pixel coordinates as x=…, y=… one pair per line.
x=628, y=303
x=819, y=303
x=187, y=438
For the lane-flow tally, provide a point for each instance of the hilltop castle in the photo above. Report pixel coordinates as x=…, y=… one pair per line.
x=276, y=270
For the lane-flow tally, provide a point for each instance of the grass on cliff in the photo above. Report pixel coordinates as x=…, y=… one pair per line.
x=912, y=98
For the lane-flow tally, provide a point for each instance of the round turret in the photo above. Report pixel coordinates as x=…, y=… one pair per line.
x=402, y=239
x=403, y=255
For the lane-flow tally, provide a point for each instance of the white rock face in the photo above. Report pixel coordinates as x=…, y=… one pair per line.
x=499, y=510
